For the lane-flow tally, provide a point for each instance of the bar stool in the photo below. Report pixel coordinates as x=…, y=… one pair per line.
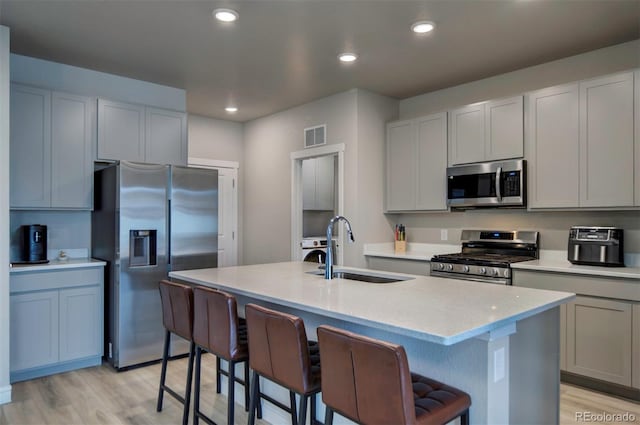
x=286, y=358
x=219, y=330
x=369, y=382
x=177, y=318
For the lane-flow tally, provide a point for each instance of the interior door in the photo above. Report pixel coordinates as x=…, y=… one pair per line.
x=227, y=217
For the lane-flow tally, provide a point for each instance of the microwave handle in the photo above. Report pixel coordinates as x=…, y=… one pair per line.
x=498, y=178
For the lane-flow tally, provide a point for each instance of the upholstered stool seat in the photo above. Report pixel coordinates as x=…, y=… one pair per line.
x=285, y=357
x=177, y=318
x=369, y=382
x=219, y=330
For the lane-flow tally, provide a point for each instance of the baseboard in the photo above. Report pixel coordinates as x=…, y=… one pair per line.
x=602, y=386
x=5, y=394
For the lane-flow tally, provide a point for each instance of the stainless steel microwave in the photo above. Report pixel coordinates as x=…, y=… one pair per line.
x=489, y=184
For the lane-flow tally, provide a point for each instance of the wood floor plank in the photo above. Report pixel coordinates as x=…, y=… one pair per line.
x=99, y=395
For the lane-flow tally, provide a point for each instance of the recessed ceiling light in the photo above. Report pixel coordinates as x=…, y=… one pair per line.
x=422, y=27
x=231, y=109
x=225, y=15
x=347, y=57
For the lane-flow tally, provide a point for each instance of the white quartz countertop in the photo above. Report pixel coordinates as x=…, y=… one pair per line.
x=415, y=251
x=72, y=263
x=440, y=310
x=564, y=266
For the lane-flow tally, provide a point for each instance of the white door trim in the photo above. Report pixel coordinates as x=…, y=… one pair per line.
x=296, y=192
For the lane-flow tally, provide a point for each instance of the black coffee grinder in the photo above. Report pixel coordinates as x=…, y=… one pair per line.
x=34, y=243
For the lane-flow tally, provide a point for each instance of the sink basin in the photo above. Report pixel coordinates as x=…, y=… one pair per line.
x=363, y=277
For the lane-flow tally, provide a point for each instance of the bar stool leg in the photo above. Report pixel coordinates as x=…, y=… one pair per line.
x=246, y=386
x=231, y=396
x=259, y=401
x=313, y=421
x=292, y=402
x=187, y=391
x=302, y=419
x=255, y=396
x=196, y=394
x=464, y=418
x=218, y=386
x=328, y=416
x=163, y=373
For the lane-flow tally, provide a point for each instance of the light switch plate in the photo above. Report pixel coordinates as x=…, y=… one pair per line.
x=444, y=234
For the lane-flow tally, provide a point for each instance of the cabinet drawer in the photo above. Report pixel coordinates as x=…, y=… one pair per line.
x=45, y=280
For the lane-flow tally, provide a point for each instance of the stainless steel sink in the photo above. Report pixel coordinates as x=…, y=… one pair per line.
x=364, y=277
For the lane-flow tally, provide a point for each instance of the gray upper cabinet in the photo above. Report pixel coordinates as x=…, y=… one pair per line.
x=30, y=147
x=486, y=131
x=72, y=141
x=120, y=131
x=141, y=133
x=553, y=146
x=606, y=141
x=166, y=137
x=416, y=161
x=580, y=144
x=52, y=139
x=318, y=183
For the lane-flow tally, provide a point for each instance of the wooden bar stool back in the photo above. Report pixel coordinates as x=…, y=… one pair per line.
x=219, y=330
x=283, y=355
x=369, y=382
x=177, y=318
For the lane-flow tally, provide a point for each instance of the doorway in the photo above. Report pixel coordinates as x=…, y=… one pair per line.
x=227, y=208
x=313, y=199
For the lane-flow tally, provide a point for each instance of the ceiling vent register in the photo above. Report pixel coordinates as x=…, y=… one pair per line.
x=315, y=136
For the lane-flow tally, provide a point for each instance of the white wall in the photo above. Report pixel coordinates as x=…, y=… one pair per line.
x=86, y=82
x=5, y=387
x=267, y=171
x=554, y=226
x=586, y=65
x=215, y=139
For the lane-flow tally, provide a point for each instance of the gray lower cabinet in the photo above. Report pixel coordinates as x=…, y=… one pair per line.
x=600, y=329
x=56, y=321
x=599, y=333
x=52, y=139
x=141, y=133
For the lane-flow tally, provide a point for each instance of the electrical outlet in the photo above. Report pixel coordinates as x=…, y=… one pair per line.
x=444, y=234
x=499, y=365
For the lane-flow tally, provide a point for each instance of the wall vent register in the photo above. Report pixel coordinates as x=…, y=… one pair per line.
x=315, y=136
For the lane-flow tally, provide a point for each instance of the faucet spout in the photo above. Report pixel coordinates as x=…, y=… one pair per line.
x=328, y=265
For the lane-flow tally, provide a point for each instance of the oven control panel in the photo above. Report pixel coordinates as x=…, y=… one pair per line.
x=472, y=272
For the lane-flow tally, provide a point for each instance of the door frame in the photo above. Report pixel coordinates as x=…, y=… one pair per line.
x=296, y=193
x=217, y=164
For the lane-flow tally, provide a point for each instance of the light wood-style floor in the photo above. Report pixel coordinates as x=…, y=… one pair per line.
x=98, y=395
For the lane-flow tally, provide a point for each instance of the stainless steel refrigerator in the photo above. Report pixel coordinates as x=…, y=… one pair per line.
x=147, y=220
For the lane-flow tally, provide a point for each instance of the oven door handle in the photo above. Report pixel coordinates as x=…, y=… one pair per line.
x=498, y=178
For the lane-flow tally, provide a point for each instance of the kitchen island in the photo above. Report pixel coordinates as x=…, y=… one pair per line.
x=498, y=343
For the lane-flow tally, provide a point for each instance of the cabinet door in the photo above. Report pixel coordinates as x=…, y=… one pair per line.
x=637, y=136
x=166, y=137
x=504, y=129
x=325, y=187
x=72, y=138
x=30, y=145
x=309, y=184
x=606, y=141
x=635, y=351
x=552, y=147
x=120, y=131
x=432, y=162
x=401, y=166
x=467, y=134
x=34, y=329
x=599, y=339
x=80, y=323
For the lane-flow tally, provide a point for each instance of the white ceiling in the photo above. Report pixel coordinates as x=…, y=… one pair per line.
x=282, y=53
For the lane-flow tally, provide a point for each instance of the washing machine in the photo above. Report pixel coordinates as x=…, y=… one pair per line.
x=314, y=249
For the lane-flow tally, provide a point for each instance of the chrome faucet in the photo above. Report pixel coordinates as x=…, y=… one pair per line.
x=328, y=264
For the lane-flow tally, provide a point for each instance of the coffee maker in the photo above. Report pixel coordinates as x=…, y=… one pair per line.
x=34, y=243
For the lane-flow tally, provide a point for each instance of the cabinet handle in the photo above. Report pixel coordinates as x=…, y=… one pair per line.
x=498, y=177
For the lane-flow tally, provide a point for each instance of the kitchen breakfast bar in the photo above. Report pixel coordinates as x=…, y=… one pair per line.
x=498, y=343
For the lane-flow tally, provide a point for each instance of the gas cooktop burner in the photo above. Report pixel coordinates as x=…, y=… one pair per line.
x=487, y=255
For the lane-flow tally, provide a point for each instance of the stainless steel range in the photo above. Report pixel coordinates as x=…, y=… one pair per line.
x=487, y=255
